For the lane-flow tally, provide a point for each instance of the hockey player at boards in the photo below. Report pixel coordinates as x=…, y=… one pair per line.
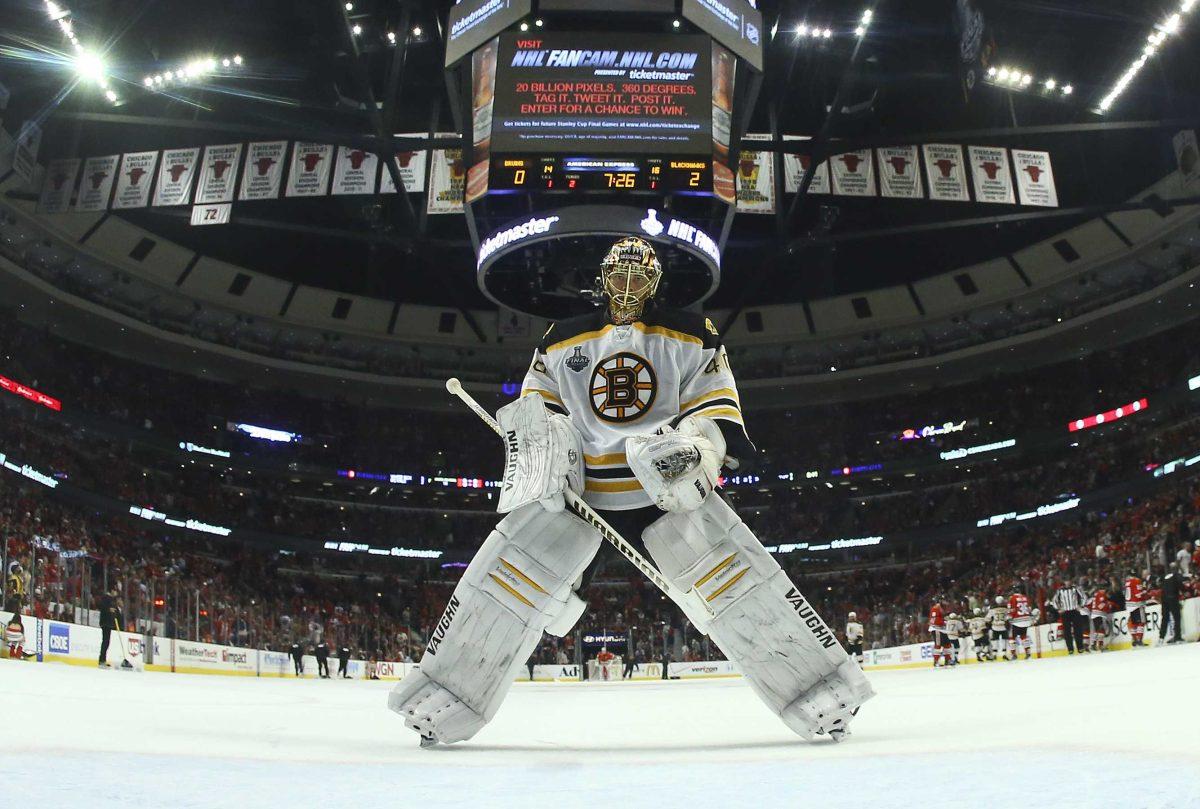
x=635, y=408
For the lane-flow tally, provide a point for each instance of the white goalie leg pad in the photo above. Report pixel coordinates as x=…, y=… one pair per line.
x=519, y=583
x=790, y=656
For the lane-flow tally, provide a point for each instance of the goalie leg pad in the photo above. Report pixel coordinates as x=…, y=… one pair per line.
x=762, y=622
x=519, y=584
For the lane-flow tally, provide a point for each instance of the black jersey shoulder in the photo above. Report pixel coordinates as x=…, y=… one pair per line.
x=572, y=327
x=692, y=324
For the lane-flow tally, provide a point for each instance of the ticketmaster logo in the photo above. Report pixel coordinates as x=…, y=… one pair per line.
x=534, y=227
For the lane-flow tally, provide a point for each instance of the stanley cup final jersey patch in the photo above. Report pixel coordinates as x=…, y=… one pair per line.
x=615, y=382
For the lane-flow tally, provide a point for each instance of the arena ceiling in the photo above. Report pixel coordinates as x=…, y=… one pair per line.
x=305, y=75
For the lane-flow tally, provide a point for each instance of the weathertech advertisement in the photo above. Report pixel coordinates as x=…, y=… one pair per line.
x=603, y=94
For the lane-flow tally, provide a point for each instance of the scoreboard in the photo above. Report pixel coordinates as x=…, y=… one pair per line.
x=566, y=175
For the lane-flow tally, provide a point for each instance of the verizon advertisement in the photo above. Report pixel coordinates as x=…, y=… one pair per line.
x=603, y=94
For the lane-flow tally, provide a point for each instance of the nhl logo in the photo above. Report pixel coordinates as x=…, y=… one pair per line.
x=577, y=361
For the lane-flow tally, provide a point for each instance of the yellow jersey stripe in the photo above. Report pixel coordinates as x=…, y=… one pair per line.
x=661, y=331
x=547, y=395
x=723, y=393
x=513, y=569
x=728, y=584
x=511, y=589
x=724, y=563
x=613, y=486
x=715, y=412
x=614, y=459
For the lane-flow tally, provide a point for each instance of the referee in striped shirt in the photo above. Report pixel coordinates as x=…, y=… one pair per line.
x=1067, y=600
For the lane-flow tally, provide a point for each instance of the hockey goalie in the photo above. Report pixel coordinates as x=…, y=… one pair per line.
x=634, y=408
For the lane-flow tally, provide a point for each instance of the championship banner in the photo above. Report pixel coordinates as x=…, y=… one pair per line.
x=989, y=171
x=945, y=172
x=29, y=141
x=1035, y=178
x=853, y=174
x=357, y=171
x=175, y=174
x=96, y=185
x=795, y=166
x=218, y=173
x=756, y=179
x=309, y=176
x=1188, y=156
x=483, y=80
x=262, y=174
x=900, y=172
x=447, y=180
x=134, y=179
x=58, y=185
x=411, y=167
x=513, y=324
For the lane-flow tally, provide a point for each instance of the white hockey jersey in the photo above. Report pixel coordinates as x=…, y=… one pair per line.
x=998, y=618
x=619, y=381
x=854, y=632
x=978, y=626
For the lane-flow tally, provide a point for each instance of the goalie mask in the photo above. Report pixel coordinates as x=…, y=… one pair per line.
x=630, y=275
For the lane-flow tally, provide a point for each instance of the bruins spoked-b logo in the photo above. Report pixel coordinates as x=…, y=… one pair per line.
x=623, y=387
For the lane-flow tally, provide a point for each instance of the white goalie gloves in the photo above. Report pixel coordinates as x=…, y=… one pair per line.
x=678, y=468
x=543, y=454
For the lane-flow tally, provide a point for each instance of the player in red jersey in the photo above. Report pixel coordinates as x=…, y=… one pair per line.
x=937, y=630
x=1135, y=600
x=1020, y=618
x=1101, y=609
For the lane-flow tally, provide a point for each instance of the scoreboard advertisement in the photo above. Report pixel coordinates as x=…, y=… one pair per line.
x=590, y=112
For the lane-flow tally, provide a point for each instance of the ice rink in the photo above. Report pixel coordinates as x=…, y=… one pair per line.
x=1115, y=730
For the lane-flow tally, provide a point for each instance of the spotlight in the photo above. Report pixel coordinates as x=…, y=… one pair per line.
x=149, y=82
x=1068, y=90
x=1002, y=74
x=1171, y=26
x=111, y=96
x=391, y=35
x=992, y=71
x=237, y=60
x=225, y=63
x=90, y=66
x=1026, y=80
x=357, y=29
x=674, y=23
x=524, y=26
x=860, y=31
x=538, y=23
x=802, y=30
x=1051, y=84
x=349, y=7
x=158, y=79
x=827, y=33
x=416, y=32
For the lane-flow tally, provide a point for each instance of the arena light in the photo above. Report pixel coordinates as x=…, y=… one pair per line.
x=1108, y=416
x=26, y=392
x=1171, y=26
x=956, y=454
x=266, y=433
x=1194, y=383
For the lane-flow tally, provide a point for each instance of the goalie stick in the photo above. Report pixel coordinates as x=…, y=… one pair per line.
x=692, y=603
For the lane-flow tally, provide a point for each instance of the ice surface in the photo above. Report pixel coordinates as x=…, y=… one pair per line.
x=1115, y=730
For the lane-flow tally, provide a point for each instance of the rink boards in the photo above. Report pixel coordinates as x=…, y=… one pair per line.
x=76, y=644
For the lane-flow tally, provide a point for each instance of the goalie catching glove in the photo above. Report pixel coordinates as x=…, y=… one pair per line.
x=678, y=468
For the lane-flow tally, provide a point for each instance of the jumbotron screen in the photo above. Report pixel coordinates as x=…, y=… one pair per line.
x=603, y=94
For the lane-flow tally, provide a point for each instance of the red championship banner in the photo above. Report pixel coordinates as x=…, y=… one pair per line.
x=356, y=172
x=218, y=173
x=900, y=172
x=853, y=174
x=134, y=180
x=795, y=166
x=25, y=154
x=309, y=176
x=1035, y=178
x=989, y=171
x=945, y=172
x=262, y=174
x=447, y=180
x=411, y=167
x=95, y=187
x=175, y=173
x=58, y=185
x=755, y=178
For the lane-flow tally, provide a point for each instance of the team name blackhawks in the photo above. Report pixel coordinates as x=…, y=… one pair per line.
x=609, y=59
